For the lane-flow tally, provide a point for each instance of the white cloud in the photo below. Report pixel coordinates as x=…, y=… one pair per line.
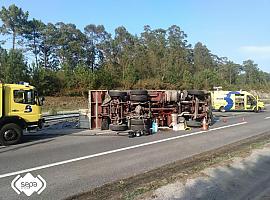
x=259, y=52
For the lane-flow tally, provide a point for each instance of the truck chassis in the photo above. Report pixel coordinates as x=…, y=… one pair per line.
x=137, y=109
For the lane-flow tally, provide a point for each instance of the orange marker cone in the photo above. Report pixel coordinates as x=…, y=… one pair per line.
x=204, y=125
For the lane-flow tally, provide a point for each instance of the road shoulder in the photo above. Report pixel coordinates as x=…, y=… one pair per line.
x=143, y=185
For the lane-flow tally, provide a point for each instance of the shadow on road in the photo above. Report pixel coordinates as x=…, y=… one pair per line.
x=45, y=135
x=20, y=146
x=243, y=180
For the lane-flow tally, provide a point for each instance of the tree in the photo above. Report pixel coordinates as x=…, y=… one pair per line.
x=14, y=21
x=178, y=54
x=33, y=34
x=16, y=68
x=3, y=63
x=131, y=77
x=70, y=43
x=48, y=49
x=155, y=43
x=68, y=61
x=70, y=50
x=206, y=79
x=97, y=36
x=47, y=81
x=251, y=71
x=187, y=80
x=202, y=57
x=230, y=71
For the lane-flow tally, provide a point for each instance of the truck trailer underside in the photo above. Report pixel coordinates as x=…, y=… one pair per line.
x=138, y=109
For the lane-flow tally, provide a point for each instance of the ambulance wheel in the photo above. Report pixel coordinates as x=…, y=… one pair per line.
x=222, y=109
x=257, y=111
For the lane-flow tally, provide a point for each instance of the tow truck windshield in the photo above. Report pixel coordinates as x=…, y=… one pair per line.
x=24, y=96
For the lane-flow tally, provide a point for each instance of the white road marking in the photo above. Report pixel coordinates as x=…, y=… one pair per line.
x=267, y=118
x=113, y=151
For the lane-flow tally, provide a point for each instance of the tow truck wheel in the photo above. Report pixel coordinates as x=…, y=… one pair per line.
x=10, y=134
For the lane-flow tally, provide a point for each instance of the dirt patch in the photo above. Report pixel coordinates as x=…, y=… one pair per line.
x=55, y=104
x=137, y=186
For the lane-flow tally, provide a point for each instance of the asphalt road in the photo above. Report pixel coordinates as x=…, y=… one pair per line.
x=74, y=161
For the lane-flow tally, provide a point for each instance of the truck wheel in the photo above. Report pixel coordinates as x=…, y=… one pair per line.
x=121, y=127
x=117, y=93
x=196, y=92
x=138, y=98
x=139, y=92
x=10, y=134
x=105, y=123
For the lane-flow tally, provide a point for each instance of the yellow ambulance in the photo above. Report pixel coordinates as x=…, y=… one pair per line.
x=235, y=100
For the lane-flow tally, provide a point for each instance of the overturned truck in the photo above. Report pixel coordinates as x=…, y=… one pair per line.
x=136, y=110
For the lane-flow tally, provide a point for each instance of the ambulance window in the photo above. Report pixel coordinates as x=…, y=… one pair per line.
x=251, y=100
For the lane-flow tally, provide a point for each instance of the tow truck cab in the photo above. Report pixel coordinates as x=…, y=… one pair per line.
x=20, y=108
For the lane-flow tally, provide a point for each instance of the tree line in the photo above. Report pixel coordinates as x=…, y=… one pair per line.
x=60, y=59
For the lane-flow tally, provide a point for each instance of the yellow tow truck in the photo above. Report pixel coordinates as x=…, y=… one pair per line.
x=20, y=108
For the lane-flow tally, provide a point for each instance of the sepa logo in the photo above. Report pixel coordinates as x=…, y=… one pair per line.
x=28, y=184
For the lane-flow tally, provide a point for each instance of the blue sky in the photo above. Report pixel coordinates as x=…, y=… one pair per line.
x=237, y=29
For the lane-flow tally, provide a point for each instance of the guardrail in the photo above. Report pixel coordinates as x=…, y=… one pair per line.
x=51, y=118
